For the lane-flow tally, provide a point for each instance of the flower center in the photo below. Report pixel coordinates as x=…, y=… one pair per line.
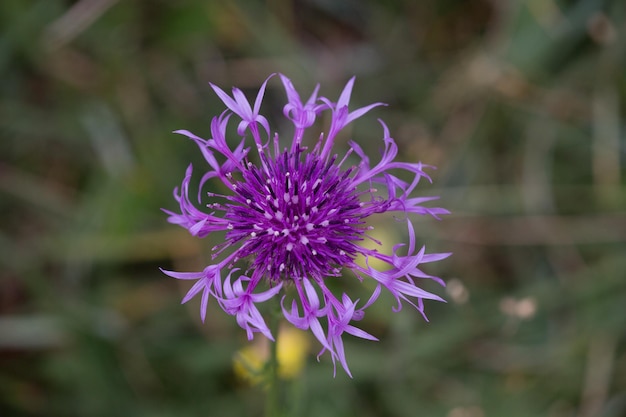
x=298, y=217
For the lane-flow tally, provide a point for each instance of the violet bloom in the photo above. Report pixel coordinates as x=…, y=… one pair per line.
x=296, y=216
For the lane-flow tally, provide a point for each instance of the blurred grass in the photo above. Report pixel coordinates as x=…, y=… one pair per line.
x=520, y=104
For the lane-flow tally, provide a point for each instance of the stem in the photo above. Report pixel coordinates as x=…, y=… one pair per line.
x=272, y=406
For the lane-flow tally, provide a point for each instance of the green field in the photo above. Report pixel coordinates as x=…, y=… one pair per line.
x=521, y=105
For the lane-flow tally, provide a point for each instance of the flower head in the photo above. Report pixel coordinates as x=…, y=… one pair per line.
x=298, y=215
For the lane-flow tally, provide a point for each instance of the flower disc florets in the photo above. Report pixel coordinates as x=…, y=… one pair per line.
x=298, y=218
x=300, y=215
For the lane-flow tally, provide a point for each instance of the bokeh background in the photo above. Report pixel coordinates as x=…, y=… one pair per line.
x=520, y=104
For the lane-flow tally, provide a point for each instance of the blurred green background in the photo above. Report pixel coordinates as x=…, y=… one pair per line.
x=520, y=104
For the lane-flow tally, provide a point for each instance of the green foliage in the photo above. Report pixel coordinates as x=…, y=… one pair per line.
x=520, y=104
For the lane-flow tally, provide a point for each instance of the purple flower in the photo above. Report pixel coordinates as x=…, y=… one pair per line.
x=296, y=216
